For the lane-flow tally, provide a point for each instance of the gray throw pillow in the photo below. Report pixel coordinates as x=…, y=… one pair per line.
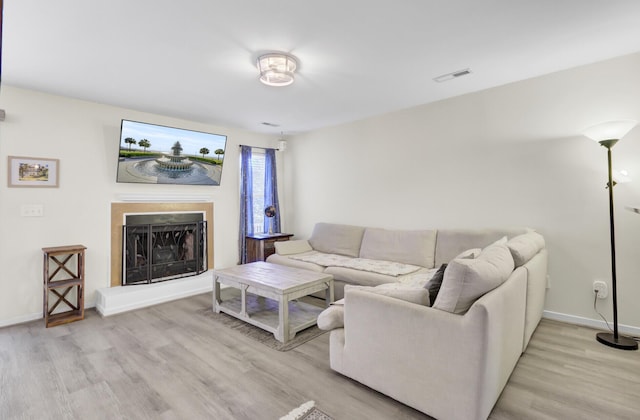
x=433, y=285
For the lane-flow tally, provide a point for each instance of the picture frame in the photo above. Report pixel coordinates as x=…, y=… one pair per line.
x=33, y=172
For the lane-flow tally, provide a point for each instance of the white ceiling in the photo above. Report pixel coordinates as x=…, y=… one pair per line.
x=195, y=59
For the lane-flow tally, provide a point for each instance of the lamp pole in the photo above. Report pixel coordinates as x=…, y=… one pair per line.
x=613, y=340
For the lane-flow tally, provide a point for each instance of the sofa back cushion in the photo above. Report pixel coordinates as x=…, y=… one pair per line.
x=337, y=239
x=451, y=242
x=465, y=280
x=415, y=247
x=292, y=247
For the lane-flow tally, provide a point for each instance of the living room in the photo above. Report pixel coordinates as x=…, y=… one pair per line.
x=509, y=155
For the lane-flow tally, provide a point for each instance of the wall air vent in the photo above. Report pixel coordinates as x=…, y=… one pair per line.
x=268, y=124
x=453, y=75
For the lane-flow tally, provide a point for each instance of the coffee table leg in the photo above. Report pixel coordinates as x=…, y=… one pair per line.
x=243, y=300
x=329, y=293
x=216, y=295
x=282, y=333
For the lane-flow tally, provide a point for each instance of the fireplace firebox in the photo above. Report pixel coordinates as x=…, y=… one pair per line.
x=160, y=247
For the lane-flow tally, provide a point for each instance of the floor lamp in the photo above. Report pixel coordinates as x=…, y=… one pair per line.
x=608, y=134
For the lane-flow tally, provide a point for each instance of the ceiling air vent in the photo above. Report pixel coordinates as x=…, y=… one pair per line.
x=453, y=75
x=268, y=124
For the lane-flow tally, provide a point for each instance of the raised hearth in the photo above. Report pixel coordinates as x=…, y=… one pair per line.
x=115, y=300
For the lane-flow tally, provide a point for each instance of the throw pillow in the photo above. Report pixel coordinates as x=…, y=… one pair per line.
x=524, y=247
x=433, y=285
x=412, y=294
x=466, y=280
x=292, y=247
x=331, y=318
x=469, y=254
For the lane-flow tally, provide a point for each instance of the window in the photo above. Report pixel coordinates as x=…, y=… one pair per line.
x=258, y=189
x=257, y=170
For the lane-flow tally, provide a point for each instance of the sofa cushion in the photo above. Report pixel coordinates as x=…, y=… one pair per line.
x=524, y=247
x=366, y=278
x=337, y=239
x=389, y=268
x=416, y=247
x=292, y=247
x=465, y=280
x=286, y=260
x=332, y=317
x=412, y=294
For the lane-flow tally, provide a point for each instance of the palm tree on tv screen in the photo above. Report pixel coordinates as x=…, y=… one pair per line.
x=219, y=152
x=130, y=141
x=204, y=151
x=144, y=143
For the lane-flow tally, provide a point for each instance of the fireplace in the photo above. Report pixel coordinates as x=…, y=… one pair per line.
x=178, y=239
x=163, y=246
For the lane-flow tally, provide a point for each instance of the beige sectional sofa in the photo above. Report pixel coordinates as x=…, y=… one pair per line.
x=449, y=358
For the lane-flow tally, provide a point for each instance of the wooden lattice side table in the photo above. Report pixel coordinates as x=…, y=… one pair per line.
x=61, y=277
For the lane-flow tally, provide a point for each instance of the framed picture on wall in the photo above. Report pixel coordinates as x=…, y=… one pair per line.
x=33, y=172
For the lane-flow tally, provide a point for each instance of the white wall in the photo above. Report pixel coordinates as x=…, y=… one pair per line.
x=85, y=137
x=508, y=156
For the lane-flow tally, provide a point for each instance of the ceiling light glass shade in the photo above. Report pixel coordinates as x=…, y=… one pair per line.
x=276, y=69
x=610, y=130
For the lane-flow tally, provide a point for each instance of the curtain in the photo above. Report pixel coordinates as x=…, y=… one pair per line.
x=271, y=191
x=246, y=201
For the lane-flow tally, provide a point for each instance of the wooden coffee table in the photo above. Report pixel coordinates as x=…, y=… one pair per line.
x=282, y=284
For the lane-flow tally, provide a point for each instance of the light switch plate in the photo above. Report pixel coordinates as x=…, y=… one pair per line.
x=32, y=210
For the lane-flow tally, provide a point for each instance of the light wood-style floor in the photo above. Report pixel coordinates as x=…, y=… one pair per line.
x=167, y=362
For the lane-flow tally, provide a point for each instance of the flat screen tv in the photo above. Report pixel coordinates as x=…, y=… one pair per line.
x=156, y=154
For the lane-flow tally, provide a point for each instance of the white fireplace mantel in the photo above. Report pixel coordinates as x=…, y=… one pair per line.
x=164, y=197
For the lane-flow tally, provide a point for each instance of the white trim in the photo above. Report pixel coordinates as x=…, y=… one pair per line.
x=30, y=317
x=114, y=300
x=21, y=319
x=180, y=198
x=588, y=322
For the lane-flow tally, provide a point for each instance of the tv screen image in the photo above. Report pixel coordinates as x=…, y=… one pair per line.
x=156, y=154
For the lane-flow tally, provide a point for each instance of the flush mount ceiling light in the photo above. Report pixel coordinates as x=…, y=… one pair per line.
x=276, y=69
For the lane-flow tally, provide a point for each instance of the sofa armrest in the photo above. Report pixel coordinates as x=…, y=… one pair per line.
x=444, y=364
x=536, y=293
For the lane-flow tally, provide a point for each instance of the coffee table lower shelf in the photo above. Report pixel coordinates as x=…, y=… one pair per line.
x=263, y=312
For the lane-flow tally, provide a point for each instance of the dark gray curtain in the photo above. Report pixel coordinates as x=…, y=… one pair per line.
x=246, y=201
x=271, y=190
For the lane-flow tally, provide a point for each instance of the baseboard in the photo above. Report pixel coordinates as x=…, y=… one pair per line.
x=30, y=317
x=115, y=300
x=588, y=322
x=21, y=319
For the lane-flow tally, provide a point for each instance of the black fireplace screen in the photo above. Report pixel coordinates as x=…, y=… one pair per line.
x=159, y=252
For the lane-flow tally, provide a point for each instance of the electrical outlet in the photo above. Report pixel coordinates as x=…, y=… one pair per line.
x=601, y=289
